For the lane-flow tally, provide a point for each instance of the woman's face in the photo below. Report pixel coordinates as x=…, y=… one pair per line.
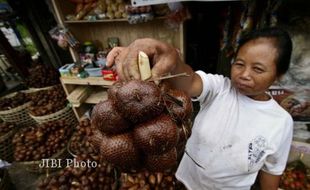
x=254, y=68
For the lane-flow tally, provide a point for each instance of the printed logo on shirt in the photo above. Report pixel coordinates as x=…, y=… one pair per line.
x=256, y=151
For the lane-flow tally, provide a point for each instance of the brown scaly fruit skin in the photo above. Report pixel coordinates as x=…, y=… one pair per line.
x=107, y=119
x=156, y=136
x=95, y=139
x=164, y=86
x=113, y=90
x=120, y=150
x=180, y=113
x=139, y=101
x=162, y=162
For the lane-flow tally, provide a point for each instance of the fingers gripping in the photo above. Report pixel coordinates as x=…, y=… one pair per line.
x=113, y=54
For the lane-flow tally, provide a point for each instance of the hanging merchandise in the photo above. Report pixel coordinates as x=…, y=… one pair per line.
x=179, y=13
x=273, y=15
x=269, y=15
x=246, y=22
x=64, y=37
x=293, y=90
x=224, y=42
x=226, y=51
x=264, y=21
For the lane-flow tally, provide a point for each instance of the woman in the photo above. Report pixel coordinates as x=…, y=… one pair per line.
x=240, y=131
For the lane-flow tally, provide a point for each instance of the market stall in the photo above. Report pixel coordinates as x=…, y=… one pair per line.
x=60, y=132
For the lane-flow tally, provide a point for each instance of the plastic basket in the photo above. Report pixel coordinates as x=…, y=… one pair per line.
x=6, y=146
x=18, y=115
x=93, y=72
x=63, y=114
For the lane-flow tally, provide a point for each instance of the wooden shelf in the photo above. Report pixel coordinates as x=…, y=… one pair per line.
x=94, y=21
x=93, y=96
x=96, y=97
x=86, y=81
x=99, y=32
x=106, y=20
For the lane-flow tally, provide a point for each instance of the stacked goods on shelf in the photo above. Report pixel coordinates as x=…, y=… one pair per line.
x=47, y=140
x=97, y=10
x=7, y=132
x=114, y=9
x=101, y=177
x=50, y=105
x=41, y=76
x=138, y=126
x=14, y=108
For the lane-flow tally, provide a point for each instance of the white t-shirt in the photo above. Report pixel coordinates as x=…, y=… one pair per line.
x=233, y=137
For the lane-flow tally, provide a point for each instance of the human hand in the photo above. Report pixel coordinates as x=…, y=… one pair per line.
x=163, y=58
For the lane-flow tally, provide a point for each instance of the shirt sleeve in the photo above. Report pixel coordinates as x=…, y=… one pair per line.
x=275, y=164
x=212, y=85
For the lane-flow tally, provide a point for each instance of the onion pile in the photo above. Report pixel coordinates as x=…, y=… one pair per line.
x=141, y=125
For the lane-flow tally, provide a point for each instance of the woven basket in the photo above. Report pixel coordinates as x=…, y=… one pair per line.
x=69, y=149
x=6, y=146
x=63, y=114
x=5, y=182
x=44, y=88
x=34, y=166
x=18, y=115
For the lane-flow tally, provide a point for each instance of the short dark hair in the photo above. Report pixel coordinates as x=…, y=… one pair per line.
x=283, y=44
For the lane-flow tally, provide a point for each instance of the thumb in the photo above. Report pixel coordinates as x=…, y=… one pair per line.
x=155, y=75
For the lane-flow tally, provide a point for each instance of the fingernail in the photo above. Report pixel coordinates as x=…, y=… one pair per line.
x=157, y=82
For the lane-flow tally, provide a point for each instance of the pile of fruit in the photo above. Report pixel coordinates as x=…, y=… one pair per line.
x=42, y=76
x=296, y=177
x=35, y=143
x=49, y=101
x=141, y=125
x=5, y=128
x=101, y=177
x=146, y=180
x=79, y=144
x=12, y=102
